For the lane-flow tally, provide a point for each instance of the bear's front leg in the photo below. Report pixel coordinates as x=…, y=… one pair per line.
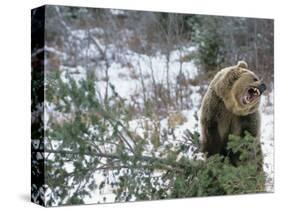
x=210, y=138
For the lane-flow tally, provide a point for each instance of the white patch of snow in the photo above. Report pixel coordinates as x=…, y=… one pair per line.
x=267, y=139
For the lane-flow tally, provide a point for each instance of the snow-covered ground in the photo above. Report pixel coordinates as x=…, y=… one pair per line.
x=125, y=86
x=267, y=138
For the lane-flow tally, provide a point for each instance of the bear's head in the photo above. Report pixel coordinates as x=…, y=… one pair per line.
x=239, y=88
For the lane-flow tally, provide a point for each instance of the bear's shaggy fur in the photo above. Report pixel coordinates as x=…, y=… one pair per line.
x=230, y=106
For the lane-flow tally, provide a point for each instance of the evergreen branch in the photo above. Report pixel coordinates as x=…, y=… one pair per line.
x=160, y=163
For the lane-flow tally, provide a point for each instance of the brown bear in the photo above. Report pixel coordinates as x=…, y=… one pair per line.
x=230, y=106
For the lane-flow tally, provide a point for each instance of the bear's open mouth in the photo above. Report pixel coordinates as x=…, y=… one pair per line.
x=250, y=95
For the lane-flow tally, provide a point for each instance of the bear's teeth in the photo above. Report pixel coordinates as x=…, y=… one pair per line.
x=257, y=91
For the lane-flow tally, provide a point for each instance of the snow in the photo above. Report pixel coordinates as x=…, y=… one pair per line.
x=126, y=86
x=267, y=139
x=120, y=77
x=117, y=12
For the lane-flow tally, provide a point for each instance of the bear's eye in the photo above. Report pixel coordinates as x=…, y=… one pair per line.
x=256, y=79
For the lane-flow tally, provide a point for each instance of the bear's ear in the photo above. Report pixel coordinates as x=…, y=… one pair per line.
x=242, y=64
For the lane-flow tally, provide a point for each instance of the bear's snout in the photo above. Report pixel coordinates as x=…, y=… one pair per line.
x=262, y=88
